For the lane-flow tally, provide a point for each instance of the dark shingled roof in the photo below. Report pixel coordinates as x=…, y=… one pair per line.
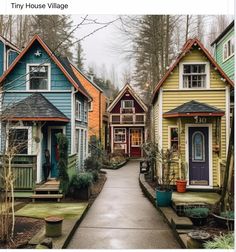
x=193, y=107
x=34, y=107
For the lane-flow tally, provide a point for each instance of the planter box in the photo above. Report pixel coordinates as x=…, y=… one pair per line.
x=82, y=193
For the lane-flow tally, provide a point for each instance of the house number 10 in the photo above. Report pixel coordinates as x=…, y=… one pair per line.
x=200, y=119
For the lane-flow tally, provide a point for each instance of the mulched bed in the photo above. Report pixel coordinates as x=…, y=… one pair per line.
x=26, y=228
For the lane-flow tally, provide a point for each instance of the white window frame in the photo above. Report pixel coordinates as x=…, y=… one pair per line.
x=181, y=69
x=226, y=44
x=169, y=135
x=123, y=104
x=29, y=128
x=90, y=106
x=85, y=111
x=116, y=133
x=79, y=112
x=28, y=77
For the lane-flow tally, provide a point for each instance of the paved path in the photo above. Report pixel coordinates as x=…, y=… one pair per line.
x=122, y=218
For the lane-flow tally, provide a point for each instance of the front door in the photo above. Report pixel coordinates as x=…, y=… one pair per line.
x=54, y=152
x=198, y=156
x=135, y=142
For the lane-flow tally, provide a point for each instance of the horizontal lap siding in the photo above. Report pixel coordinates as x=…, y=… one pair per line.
x=228, y=65
x=172, y=99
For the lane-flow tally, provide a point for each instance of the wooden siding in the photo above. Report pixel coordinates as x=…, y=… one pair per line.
x=172, y=82
x=228, y=65
x=58, y=80
x=116, y=109
x=215, y=98
x=11, y=56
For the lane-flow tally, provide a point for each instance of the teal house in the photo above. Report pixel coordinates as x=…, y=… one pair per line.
x=223, y=47
x=42, y=97
x=8, y=52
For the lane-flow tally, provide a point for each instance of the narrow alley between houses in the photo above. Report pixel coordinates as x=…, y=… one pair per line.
x=122, y=218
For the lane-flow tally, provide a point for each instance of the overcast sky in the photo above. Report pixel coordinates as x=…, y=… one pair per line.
x=103, y=47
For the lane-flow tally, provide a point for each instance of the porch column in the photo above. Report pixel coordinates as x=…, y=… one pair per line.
x=39, y=154
x=111, y=139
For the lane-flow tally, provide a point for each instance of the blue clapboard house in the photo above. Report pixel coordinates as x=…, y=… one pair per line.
x=42, y=97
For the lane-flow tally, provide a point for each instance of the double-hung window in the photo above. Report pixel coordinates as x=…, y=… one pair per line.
x=194, y=75
x=38, y=77
x=85, y=111
x=78, y=110
x=19, y=140
x=228, y=49
x=119, y=135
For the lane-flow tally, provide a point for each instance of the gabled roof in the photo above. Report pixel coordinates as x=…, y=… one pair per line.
x=9, y=43
x=133, y=93
x=62, y=64
x=193, y=108
x=226, y=30
x=84, y=76
x=187, y=47
x=34, y=108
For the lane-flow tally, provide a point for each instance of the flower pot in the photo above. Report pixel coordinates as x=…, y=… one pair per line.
x=163, y=198
x=82, y=193
x=181, y=185
x=53, y=226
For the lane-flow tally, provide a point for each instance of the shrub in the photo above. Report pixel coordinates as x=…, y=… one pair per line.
x=197, y=212
x=92, y=164
x=95, y=175
x=82, y=180
x=221, y=242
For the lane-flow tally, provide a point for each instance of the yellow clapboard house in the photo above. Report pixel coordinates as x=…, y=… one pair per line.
x=191, y=116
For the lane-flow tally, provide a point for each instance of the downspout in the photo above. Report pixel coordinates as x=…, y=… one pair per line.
x=73, y=119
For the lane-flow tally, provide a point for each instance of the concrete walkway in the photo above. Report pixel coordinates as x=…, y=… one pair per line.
x=122, y=218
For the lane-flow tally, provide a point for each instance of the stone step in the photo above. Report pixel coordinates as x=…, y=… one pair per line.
x=47, y=196
x=181, y=223
x=46, y=189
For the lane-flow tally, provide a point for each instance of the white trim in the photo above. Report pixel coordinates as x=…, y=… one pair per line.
x=29, y=128
x=141, y=129
x=194, y=63
x=160, y=118
x=118, y=128
x=91, y=106
x=72, y=149
x=187, y=126
x=227, y=115
x=39, y=154
x=112, y=139
x=225, y=43
x=78, y=116
x=123, y=103
x=5, y=42
x=169, y=135
x=132, y=92
x=85, y=111
x=28, y=65
x=7, y=57
x=33, y=91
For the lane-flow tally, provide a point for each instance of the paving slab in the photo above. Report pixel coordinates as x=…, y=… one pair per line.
x=122, y=217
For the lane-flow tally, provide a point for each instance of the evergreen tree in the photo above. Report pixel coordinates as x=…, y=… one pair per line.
x=54, y=29
x=80, y=58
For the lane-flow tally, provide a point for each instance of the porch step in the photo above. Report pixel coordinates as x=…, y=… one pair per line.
x=47, y=196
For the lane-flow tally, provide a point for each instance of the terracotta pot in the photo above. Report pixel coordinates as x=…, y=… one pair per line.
x=181, y=185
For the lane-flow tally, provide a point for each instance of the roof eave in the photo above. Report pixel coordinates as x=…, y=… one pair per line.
x=191, y=114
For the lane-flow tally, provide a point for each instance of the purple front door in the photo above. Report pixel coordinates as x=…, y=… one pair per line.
x=198, y=156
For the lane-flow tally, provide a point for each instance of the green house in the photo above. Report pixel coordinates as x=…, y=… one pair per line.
x=224, y=50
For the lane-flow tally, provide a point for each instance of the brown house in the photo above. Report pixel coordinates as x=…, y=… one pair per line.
x=97, y=116
x=127, y=122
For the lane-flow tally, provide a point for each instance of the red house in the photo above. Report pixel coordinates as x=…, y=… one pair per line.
x=127, y=122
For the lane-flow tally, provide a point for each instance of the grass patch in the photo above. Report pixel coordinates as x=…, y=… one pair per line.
x=42, y=210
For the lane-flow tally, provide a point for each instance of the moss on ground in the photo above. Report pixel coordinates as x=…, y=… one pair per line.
x=42, y=210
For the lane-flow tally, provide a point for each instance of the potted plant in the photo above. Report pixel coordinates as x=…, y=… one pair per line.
x=80, y=185
x=163, y=190
x=182, y=182
x=198, y=215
